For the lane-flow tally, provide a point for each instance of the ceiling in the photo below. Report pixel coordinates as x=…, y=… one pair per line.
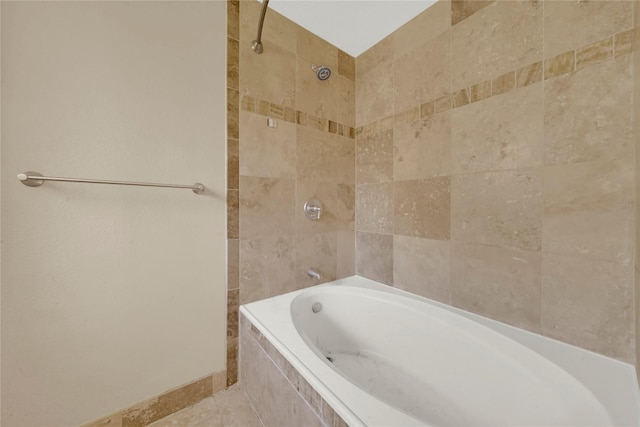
x=351, y=25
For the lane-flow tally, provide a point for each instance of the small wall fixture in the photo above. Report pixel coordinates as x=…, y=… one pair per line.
x=313, y=209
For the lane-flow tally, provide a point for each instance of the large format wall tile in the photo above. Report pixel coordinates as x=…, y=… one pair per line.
x=589, y=209
x=264, y=151
x=346, y=257
x=423, y=74
x=317, y=252
x=374, y=207
x=422, y=208
x=588, y=114
x=501, y=37
x=374, y=256
x=375, y=90
x=269, y=76
x=424, y=27
x=277, y=31
x=267, y=267
x=462, y=9
x=498, y=208
x=422, y=266
x=500, y=283
x=325, y=157
x=376, y=55
x=374, y=157
x=502, y=132
x=266, y=207
x=346, y=92
x=327, y=193
x=422, y=148
x=573, y=24
x=589, y=303
x=315, y=96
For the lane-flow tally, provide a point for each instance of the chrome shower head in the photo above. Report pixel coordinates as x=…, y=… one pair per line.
x=323, y=72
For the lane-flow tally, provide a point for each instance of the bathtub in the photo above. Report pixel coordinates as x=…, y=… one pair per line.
x=383, y=357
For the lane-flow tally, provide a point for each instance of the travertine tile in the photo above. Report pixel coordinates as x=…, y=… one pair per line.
x=269, y=77
x=422, y=208
x=460, y=98
x=113, y=420
x=594, y=53
x=233, y=108
x=623, y=43
x=375, y=90
x=233, y=214
x=374, y=207
x=442, y=104
x=423, y=74
x=265, y=151
x=266, y=207
x=326, y=192
x=499, y=133
x=500, y=283
x=235, y=409
x=374, y=157
x=498, y=208
x=322, y=156
x=204, y=412
x=429, y=24
x=588, y=114
x=502, y=37
x=260, y=377
x=316, y=50
x=267, y=267
x=422, y=148
x=233, y=304
x=159, y=407
x=317, y=252
x=315, y=96
x=346, y=65
x=346, y=258
x=232, y=361
x=570, y=25
x=374, y=256
x=233, y=264
x=559, y=65
x=346, y=207
x=381, y=52
x=589, y=209
x=503, y=83
x=233, y=164
x=278, y=30
x=529, y=74
x=427, y=109
x=589, y=303
x=346, y=92
x=233, y=19
x=462, y=9
x=422, y=266
x=233, y=63
x=480, y=91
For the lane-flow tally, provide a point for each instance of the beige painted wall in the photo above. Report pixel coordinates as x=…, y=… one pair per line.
x=494, y=165
x=110, y=295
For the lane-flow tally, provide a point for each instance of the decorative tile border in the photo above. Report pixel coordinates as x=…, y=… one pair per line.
x=269, y=109
x=320, y=407
x=151, y=410
x=609, y=48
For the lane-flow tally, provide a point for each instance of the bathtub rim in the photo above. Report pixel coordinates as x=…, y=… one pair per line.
x=594, y=371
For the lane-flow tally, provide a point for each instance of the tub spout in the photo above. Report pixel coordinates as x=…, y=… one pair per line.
x=314, y=274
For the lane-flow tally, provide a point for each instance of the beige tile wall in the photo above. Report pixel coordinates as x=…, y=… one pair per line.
x=309, y=154
x=636, y=122
x=494, y=170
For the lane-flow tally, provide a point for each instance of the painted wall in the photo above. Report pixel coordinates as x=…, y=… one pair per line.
x=494, y=165
x=110, y=295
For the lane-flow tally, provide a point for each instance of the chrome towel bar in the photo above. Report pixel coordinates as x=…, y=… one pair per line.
x=35, y=179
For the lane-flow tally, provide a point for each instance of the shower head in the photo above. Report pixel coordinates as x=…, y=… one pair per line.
x=322, y=71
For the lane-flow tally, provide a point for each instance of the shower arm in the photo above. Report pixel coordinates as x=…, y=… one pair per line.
x=256, y=45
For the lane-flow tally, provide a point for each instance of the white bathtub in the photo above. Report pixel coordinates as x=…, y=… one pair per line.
x=398, y=360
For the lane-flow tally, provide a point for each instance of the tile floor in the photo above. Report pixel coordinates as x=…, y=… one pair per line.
x=228, y=408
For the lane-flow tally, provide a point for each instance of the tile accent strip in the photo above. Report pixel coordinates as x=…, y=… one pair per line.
x=151, y=410
x=269, y=109
x=611, y=47
x=320, y=407
x=233, y=185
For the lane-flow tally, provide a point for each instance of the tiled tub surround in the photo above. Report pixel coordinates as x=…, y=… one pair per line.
x=494, y=165
x=290, y=382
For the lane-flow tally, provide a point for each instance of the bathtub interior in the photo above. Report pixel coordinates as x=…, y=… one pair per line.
x=348, y=385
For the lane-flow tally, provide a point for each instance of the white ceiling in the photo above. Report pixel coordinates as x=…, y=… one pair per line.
x=351, y=25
